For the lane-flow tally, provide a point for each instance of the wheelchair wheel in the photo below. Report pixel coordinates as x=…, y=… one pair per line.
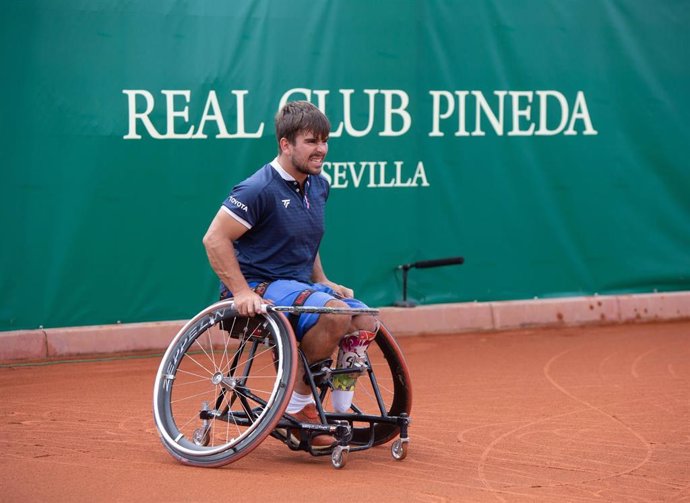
x=391, y=377
x=223, y=384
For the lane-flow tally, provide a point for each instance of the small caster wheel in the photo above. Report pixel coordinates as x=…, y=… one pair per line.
x=202, y=436
x=399, y=449
x=339, y=456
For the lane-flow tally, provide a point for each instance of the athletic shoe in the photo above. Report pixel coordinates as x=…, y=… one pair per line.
x=310, y=415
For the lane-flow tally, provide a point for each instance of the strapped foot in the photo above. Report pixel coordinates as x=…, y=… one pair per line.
x=310, y=415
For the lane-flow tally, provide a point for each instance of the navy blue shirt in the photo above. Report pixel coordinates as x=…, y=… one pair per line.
x=285, y=227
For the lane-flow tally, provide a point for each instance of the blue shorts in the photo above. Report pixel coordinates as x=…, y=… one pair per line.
x=284, y=292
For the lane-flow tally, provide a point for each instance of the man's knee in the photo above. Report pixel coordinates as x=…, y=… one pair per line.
x=364, y=322
x=335, y=324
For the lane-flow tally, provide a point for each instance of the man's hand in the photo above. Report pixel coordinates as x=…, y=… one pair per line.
x=342, y=291
x=248, y=302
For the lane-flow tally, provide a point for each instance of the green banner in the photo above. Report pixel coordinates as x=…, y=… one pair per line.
x=544, y=141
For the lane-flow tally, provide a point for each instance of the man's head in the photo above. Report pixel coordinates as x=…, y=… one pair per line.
x=301, y=117
x=302, y=131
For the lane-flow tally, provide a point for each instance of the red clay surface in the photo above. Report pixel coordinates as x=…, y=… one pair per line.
x=578, y=414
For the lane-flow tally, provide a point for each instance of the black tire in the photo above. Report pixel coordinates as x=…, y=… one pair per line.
x=223, y=384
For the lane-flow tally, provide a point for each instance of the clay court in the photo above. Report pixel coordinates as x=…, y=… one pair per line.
x=574, y=414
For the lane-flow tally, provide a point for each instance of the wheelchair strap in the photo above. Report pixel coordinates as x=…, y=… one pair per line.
x=302, y=297
x=298, y=302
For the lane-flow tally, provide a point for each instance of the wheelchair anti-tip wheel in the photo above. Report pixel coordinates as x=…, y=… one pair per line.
x=399, y=449
x=339, y=456
x=223, y=384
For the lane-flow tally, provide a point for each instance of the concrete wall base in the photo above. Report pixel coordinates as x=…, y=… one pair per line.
x=48, y=344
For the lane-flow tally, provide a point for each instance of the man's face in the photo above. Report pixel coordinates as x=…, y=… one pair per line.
x=308, y=153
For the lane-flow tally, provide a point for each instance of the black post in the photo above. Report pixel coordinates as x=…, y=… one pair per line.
x=422, y=264
x=404, y=302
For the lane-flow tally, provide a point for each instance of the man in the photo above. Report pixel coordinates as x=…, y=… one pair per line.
x=266, y=236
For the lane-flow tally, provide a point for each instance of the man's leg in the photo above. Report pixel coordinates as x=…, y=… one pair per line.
x=319, y=336
x=318, y=343
x=321, y=341
x=352, y=352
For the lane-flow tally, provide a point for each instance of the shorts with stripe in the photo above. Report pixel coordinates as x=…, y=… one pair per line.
x=284, y=293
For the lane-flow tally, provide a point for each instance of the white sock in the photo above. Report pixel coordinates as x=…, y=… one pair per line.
x=298, y=402
x=342, y=399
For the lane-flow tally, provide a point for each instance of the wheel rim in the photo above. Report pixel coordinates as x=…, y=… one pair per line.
x=241, y=378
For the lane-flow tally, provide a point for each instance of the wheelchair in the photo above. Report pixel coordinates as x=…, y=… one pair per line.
x=225, y=381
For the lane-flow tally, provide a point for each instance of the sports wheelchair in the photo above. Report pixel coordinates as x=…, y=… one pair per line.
x=224, y=383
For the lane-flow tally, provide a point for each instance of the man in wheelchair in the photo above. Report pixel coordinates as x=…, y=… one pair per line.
x=264, y=246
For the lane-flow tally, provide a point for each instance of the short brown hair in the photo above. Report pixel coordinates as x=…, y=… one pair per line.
x=299, y=116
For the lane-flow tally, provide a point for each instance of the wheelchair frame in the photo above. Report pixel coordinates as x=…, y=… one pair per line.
x=225, y=381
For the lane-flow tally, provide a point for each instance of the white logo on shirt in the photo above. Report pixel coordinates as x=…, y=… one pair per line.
x=237, y=203
x=286, y=202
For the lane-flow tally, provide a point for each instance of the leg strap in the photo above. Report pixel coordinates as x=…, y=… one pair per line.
x=302, y=297
x=298, y=302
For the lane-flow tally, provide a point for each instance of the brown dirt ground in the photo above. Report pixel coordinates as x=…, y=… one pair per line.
x=574, y=414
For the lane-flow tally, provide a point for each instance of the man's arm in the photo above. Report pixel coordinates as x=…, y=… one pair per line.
x=319, y=276
x=221, y=254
